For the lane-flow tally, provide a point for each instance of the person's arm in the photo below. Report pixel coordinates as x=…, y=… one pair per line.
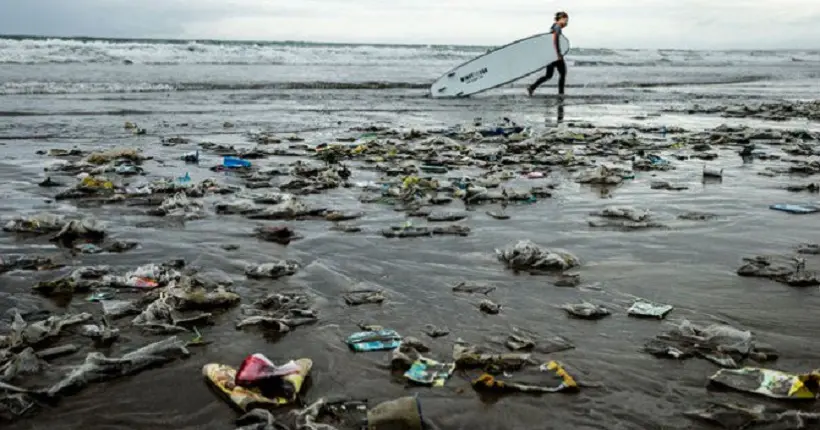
x=556, y=41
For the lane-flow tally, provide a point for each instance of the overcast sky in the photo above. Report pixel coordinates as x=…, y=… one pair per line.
x=751, y=24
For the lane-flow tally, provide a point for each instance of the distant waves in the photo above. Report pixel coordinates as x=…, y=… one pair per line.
x=21, y=50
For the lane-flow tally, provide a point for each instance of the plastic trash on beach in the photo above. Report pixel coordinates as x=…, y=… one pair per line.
x=365, y=138
x=223, y=378
x=586, y=310
x=770, y=383
x=233, y=162
x=712, y=172
x=428, y=168
x=381, y=340
x=258, y=372
x=736, y=416
x=127, y=169
x=400, y=414
x=643, y=309
x=106, y=157
x=184, y=179
x=721, y=344
x=656, y=159
x=505, y=127
x=526, y=255
x=563, y=381
x=88, y=248
x=795, y=208
x=429, y=372
x=191, y=157
x=24, y=333
x=97, y=367
x=101, y=295
x=97, y=182
x=472, y=356
x=15, y=402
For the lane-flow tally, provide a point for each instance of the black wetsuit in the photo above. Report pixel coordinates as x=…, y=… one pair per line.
x=559, y=64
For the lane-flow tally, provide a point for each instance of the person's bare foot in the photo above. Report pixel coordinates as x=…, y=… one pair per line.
x=530, y=91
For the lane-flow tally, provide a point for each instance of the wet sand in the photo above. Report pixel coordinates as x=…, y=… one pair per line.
x=691, y=265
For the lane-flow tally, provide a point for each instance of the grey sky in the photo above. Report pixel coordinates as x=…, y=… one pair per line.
x=751, y=24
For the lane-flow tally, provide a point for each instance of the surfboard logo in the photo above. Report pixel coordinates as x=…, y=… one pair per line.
x=473, y=76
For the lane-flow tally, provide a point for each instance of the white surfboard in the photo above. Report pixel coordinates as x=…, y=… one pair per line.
x=499, y=66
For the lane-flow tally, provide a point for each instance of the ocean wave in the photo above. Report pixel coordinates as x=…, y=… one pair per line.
x=41, y=50
x=117, y=112
x=33, y=88
x=716, y=81
x=11, y=88
x=96, y=51
x=657, y=63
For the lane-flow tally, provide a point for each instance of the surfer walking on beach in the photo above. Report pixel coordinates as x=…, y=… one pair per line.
x=561, y=20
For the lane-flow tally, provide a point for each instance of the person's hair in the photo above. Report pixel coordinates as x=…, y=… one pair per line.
x=559, y=15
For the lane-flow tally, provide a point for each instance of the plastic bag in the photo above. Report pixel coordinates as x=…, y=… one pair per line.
x=728, y=339
x=257, y=371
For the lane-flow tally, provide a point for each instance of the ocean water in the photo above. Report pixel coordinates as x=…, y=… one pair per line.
x=79, y=66
x=63, y=93
x=262, y=83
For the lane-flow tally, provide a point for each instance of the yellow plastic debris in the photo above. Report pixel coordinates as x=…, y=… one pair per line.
x=556, y=367
x=223, y=379
x=800, y=388
x=770, y=383
x=92, y=182
x=487, y=381
x=410, y=181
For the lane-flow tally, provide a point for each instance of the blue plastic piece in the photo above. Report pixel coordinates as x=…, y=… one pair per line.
x=374, y=340
x=654, y=159
x=184, y=179
x=235, y=162
x=795, y=209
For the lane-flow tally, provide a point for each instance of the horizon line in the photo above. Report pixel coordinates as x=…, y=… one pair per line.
x=315, y=42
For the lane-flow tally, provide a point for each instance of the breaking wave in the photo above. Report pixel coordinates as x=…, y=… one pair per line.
x=106, y=87
x=42, y=50
x=11, y=88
